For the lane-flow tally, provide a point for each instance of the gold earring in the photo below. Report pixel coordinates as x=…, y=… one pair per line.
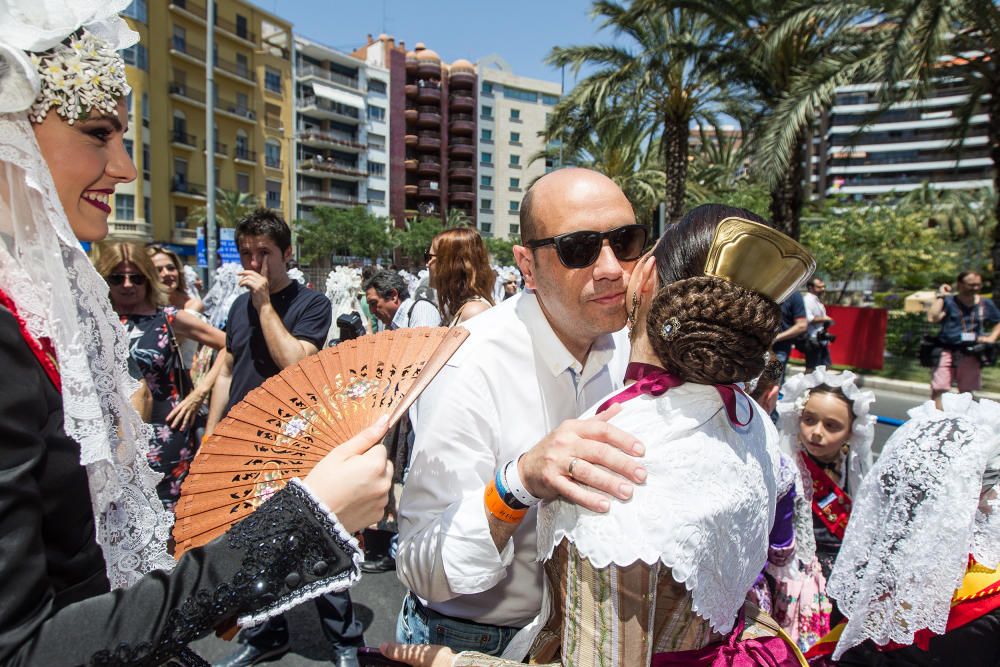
x=630, y=316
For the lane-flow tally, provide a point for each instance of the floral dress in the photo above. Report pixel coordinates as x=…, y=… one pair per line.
x=170, y=451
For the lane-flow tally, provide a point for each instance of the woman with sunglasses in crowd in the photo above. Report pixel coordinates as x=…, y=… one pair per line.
x=662, y=578
x=79, y=513
x=460, y=272
x=154, y=332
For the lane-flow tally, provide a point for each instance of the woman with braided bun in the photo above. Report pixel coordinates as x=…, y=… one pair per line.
x=662, y=578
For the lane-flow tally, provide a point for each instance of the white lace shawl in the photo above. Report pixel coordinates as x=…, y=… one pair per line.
x=220, y=296
x=61, y=297
x=917, y=517
x=789, y=407
x=705, y=510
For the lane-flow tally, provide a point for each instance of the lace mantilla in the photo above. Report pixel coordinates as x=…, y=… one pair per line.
x=220, y=296
x=705, y=510
x=795, y=394
x=916, y=519
x=61, y=297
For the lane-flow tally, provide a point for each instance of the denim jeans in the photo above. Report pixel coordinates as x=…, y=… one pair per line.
x=419, y=625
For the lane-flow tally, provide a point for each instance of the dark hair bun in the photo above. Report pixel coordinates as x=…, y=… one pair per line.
x=717, y=333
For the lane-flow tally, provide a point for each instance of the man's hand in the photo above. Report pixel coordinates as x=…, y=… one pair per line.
x=603, y=463
x=945, y=288
x=258, y=284
x=419, y=655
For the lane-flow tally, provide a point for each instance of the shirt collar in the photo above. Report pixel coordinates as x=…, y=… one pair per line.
x=400, y=318
x=551, y=350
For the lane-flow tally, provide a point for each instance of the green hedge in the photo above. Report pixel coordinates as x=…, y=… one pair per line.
x=904, y=331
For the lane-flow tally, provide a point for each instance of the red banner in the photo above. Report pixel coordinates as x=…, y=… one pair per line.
x=860, y=336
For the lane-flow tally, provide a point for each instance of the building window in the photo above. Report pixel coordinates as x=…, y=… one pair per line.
x=486, y=228
x=376, y=196
x=243, y=182
x=137, y=10
x=145, y=161
x=272, y=80
x=376, y=86
x=551, y=100
x=486, y=204
x=273, y=194
x=242, y=29
x=515, y=184
x=486, y=181
x=515, y=114
x=147, y=211
x=135, y=55
x=125, y=207
x=515, y=229
x=515, y=161
x=487, y=88
x=515, y=206
x=487, y=112
x=515, y=138
x=486, y=136
x=129, y=146
x=145, y=109
x=376, y=141
x=180, y=215
x=376, y=113
x=272, y=154
x=486, y=158
x=243, y=65
x=519, y=94
x=376, y=169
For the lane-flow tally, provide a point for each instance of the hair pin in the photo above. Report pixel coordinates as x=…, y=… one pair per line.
x=670, y=328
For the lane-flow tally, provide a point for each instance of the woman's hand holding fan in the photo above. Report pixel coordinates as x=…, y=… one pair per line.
x=354, y=479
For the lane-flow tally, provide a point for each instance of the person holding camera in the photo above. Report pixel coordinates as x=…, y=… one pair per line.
x=818, y=337
x=965, y=344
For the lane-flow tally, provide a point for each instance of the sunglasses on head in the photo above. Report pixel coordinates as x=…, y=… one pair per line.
x=577, y=250
x=118, y=279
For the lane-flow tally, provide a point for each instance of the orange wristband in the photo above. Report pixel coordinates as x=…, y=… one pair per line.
x=498, y=508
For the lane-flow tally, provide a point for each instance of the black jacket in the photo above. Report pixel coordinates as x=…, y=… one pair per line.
x=55, y=604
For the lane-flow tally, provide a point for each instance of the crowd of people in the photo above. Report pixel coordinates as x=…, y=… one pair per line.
x=612, y=469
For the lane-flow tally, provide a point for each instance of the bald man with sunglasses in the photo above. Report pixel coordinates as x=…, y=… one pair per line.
x=499, y=421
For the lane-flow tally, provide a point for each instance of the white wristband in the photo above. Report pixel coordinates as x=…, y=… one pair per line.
x=512, y=480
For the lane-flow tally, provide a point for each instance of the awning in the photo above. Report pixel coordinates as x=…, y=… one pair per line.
x=337, y=95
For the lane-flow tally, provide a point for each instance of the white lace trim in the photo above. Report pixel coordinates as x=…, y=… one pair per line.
x=61, y=297
x=916, y=518
x=706, y=508
x=859, y=461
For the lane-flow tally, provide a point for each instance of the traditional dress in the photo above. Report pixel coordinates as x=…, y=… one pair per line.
x=917, y=575
x=662, y=578
x=822, y=505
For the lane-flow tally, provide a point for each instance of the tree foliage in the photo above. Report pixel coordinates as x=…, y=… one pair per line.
x=230, y=208
x=350, y=232
x=502, y=250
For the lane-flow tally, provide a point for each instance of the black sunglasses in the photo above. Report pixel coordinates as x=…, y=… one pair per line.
x=577, y=250
x=118, y=279
x=427, y=256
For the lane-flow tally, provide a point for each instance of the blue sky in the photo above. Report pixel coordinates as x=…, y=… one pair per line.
x=522, y=31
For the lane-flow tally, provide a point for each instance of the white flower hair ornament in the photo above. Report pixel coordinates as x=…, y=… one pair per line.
x=62, y=54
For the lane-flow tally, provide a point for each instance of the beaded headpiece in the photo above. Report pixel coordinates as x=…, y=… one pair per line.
x=78, y=76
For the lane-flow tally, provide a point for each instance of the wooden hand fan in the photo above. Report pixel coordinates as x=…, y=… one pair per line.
x=285, y=426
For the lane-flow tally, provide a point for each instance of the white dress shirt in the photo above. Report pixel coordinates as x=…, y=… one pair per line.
x=412, y=313
x=814, y=309
x=509, y=385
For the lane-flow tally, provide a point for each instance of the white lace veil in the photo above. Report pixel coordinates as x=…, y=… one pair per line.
x=220, y=296
x=61, y=297
x=793, y=398
x=916, y=519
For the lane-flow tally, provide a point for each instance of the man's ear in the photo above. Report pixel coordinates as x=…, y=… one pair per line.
x=394, y=296
x=525, y=260
x=287, y=255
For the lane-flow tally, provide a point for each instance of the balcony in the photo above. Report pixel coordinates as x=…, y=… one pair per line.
x=462, y=147
x=428, y=67
x=317, y=106
x=326, y=168
x=462, y=101
x=462, y=193
x=429, y=141
x=273, y=123
x=184, y=236
x=323, y=197
x=411, y=140
x=182, y=139
x=462, y=170
x=327, y=139
x=130, y=229
x=180, y=46
x=411, y=164
x=243, y=154
x=221, y=150
x=428, y=117
x=429, y=94
x=429, y=166
x=410, y=89
x=411, y=64
x=272, y=161
x=182, y=187
x=428, y=189
x=187, y=93
x=239, y=70
x=462, y=123
x=410, y=190
x=197, y=12
x=462, y=77
x=306, y=70
x=235, y=110
x=411, y=115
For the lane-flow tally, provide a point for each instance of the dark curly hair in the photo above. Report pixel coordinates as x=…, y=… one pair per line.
x=704, y=329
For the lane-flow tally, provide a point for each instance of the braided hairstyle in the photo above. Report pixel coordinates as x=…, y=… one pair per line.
x=704, y=329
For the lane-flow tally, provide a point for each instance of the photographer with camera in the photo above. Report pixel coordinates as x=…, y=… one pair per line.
x=818, y=336
x=965, y=345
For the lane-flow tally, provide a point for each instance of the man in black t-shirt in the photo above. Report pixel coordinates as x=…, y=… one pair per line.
x=793, y=325
x=276, y=324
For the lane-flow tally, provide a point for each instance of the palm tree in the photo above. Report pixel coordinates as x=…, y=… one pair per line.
x=618, y=147
x=230, y=208
x=661, y=76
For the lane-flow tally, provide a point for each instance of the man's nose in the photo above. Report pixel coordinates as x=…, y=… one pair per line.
x=607, y=265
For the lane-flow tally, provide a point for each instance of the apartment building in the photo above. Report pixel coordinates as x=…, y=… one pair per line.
x=253, y=119
x=512, y=113
x=341, y=130
x=911, y=143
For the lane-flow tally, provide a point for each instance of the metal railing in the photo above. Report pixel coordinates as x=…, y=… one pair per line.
x=307, y=69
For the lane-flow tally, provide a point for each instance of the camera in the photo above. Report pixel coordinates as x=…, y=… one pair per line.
x=351, y=326
x=824, y=336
